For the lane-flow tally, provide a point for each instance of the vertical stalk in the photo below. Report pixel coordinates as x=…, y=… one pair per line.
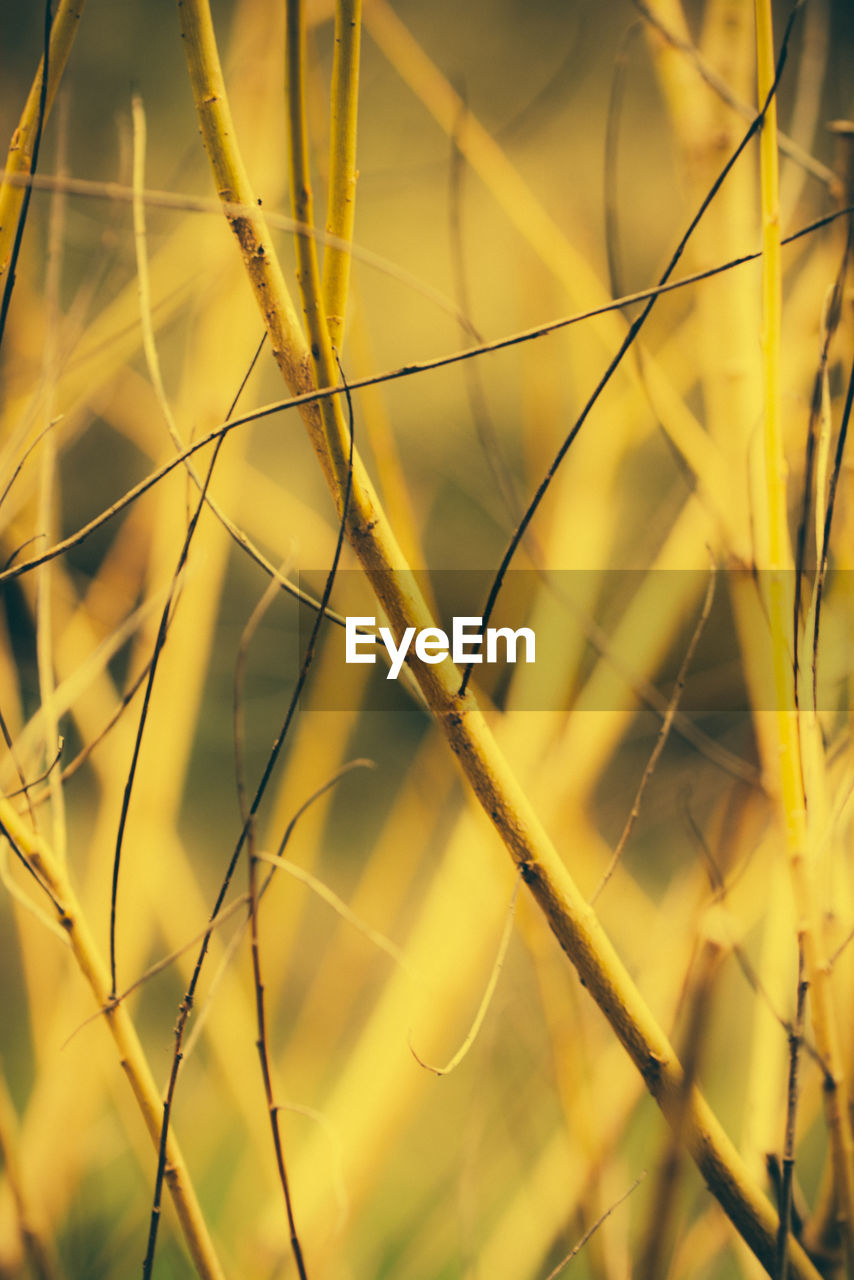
x=262, y=1044
x=341, y=205
x=308, y=273
x=776, y=552
x=20, y=155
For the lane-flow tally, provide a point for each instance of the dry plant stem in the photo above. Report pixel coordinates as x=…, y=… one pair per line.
x=572, y=920
x=591, y=1231
x=264, y=1056
x=663, y=734
x=41, y=860
x=203, y=486
x=262, y=1042
x=486, y=999
x=612, y=134
x=626, y=344
x=47, y=501
x=788, y=1170
x=342, y=164
x=815, y=465
x=119, y=193
x=153, y=361
x=751, y=976
x=9, y=265
x=20, y=156
x=327, y=895
x=652, y=1262
x=828, y=522
x=187, y=1003
x=160, y=641
x=786, y=717
x=237, y=700
x=475, y=390
x=305, y=399
x=719, y=86
x=186, y=203
x=247, y=837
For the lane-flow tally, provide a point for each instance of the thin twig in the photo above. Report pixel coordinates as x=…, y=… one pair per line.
x=613, y=247
x=828, y=522
x=26, y=863
x=338, y=905
x=187, y=203
x=576, y=1249
x=376, y=379
x=162, y=631
x=20, y=464
x=498, y=791
x=9, y=281
x=25, y=786
x=260, y=1007
x=663, y=733
x=187, y=1002
x=719, y=86
x=478, y=403
x=47, y=499
x=633, y=331
x=27, y=904
x=486, y=1000
x=721, y=889
x=38, y=857
x=359, y=763
x=829, y=326
x=186, y=1005
x=43, y=776
x=794, y=800
x=652, y=1254
x=786, y=1191
x=247, y=635
x=237, y=937
x=160, y=965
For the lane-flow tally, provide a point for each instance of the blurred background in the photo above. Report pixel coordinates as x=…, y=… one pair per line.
x=517, y=164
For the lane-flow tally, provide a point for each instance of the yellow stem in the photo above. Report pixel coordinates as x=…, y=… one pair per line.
x=798, y=830
x=341, y=207
x=570, y=917
x=20, y=155
x=131, y=1054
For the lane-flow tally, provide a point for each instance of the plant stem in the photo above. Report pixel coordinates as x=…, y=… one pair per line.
x=787, y=718
x=570, y=917
x=20, y=156
x=341, y=206
x=39, y=856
